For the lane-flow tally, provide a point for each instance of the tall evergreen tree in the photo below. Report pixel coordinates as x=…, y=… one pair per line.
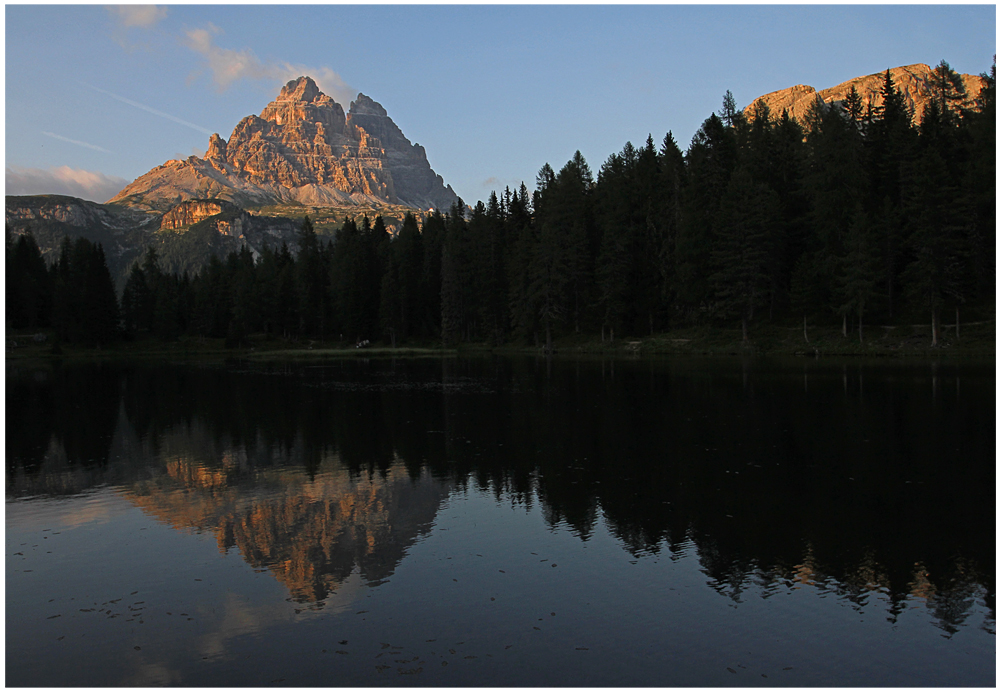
x=935, y=219
x=741, y=251
x=310, y=282
x=29, y=285
x=859, y=276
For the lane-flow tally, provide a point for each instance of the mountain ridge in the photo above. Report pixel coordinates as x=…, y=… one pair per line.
x=913, y=82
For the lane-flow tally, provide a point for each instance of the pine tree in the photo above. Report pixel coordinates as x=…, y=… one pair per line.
x=710, y=161
x=741, y=250
x=29, y=285
x=948, y=91
x=348, y=270
x=85, y=305
x=310, y=282
x=936, y=221
x=456, y=277
x=860, y=275
x=135, y=298
x=669, y=193
x=613, y=280
x=523, y=319
x=890, y=146
x=432, y=233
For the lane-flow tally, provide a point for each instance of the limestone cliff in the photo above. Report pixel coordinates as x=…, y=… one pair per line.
x=191, y=212
x=912, y=80
x=301, y=148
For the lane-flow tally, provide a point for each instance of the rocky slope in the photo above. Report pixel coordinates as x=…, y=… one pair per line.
x=302, y=148
x=122, y=232
x=185, y=236
x=912, y=80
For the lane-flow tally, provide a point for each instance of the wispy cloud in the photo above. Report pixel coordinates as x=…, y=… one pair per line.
x=126, y=17
x=144, y=16
x=151, y=110
x=63, y=180
x=77, y=142
x=228, y=66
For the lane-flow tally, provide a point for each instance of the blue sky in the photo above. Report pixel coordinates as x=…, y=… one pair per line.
x=98, y=95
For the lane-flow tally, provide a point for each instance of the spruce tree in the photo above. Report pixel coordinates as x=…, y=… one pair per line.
x=741, y=250
x=859, y=276
x=29, y=285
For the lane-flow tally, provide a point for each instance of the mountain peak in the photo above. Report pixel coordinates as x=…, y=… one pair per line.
x=302, y=148
x=366, y=106
x=301, y=89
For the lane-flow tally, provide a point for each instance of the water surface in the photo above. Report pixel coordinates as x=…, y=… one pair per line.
x=497, y=521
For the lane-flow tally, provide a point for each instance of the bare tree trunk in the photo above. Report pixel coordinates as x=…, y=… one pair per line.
x=934, y=326
x=602, y=333
x=844, y=330
x=861, y=310
x=958, y=336
x=805, y=330
x=746, y=339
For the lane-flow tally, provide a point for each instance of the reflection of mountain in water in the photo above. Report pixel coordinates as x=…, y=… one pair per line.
x=869, y=483
x=310, y=532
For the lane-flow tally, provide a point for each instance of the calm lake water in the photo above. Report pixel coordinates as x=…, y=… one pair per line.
x=502, y=522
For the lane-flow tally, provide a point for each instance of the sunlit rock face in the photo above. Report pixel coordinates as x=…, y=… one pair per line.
x=913, y=81
x=301, y=148
x=191, y=212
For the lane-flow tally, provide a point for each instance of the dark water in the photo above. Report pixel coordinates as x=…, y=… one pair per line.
x=502, y=522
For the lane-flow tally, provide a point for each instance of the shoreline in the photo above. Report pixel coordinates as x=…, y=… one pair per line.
x=975, y=340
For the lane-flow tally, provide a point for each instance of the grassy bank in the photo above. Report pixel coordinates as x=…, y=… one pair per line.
x=976, y=339
x=257, y=348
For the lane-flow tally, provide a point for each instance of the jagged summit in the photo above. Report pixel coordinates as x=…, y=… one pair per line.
x=366, y=106
x=301, y=89
x=301, y=148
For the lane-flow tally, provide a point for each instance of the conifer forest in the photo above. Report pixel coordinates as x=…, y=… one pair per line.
x=863, y=214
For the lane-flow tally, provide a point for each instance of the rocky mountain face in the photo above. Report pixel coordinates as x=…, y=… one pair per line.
x=913, y=81
x=184, y=237
x=192, y=211
x=301, y=148
x=121, y=231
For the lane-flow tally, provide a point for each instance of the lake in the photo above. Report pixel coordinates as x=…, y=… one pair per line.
x=500, y=521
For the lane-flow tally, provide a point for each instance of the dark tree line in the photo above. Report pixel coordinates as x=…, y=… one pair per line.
x=75, y=296
x=859, y=213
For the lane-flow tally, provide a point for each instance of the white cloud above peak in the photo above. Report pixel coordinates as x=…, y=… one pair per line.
x=144, y=16
x=229, y=66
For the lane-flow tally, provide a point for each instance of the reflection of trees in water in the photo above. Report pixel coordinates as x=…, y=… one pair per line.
x=777, y=479
x=65, y=416
x=950, y=599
